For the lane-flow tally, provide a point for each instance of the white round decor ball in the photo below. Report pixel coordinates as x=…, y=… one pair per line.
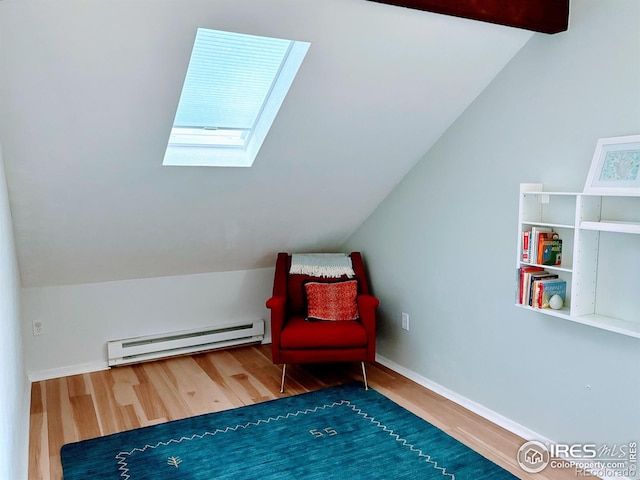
x=556, y=302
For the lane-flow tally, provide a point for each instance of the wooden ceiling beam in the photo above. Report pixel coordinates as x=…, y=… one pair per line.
x=545, y=16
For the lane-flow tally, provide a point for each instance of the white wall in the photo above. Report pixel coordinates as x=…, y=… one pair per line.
x=78, y=320
x=14, y=387
x=442, y=246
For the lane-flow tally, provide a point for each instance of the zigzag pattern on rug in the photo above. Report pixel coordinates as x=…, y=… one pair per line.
x=123, y=456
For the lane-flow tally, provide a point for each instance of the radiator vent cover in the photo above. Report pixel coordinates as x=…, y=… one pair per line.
x=152, y=347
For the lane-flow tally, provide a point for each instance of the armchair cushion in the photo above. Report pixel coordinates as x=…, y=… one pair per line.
x=332, y=301
x=300, y=334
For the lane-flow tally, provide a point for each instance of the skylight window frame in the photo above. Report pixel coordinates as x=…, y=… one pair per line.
x=199, y=153
x=209, y=137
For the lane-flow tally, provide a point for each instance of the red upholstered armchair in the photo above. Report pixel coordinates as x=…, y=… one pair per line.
x=298, y=340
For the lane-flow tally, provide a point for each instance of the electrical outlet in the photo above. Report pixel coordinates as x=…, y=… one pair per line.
x=38, y=327
x=405, y=321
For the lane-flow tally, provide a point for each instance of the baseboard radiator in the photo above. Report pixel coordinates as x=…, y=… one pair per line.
x=152, y=347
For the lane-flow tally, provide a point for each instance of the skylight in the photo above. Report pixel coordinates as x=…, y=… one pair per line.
x=233, y=90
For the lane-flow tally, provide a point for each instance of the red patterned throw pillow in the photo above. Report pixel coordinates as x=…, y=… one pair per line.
x=332, y=301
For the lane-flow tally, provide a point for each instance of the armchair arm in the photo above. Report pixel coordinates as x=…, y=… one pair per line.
x=278, y=306
x=367, y=305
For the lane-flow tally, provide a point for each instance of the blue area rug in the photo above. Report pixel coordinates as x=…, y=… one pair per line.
x=340, y=432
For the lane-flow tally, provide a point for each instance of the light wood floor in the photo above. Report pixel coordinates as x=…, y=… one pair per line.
x=90, y=405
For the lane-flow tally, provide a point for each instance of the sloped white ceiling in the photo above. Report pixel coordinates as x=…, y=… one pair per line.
x=88, y=91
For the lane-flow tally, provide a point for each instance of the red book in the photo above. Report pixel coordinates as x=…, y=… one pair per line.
x=526, y=246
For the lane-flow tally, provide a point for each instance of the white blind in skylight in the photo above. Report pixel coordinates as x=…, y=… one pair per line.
x=229, y=77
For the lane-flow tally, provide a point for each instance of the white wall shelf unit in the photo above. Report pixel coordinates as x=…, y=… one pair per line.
x=600, y=254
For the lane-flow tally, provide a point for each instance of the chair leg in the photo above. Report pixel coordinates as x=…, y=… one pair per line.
x=284, y=373
x=364, y=376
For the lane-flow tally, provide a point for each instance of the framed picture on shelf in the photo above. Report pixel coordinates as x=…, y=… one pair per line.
x=615, y=167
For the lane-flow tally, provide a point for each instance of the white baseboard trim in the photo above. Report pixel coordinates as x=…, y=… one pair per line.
x=66, y=371
x=39, y=375
x=514, y=427
x=504, y=422
x=24, y=440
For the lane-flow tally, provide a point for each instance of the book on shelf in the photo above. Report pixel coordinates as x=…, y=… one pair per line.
x=523, y=273
x=536, y=233
x=549, y=251
x=547, y=288
x=529, y=290
x=527, y=276
x=526, y=246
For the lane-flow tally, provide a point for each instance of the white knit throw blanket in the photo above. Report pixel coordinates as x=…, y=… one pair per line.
x=330, y=265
